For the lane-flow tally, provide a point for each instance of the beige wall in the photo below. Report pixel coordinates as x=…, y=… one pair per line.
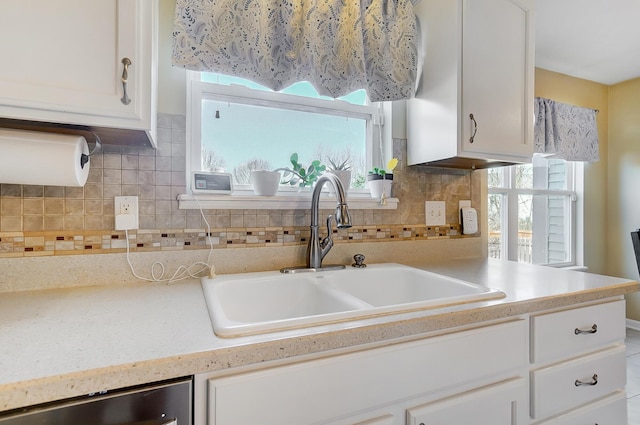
x=624, y=184
x=575, y=91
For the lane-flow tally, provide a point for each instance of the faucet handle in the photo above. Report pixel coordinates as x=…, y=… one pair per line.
x=359, y=261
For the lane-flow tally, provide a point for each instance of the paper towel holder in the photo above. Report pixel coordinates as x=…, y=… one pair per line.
x=84, y=158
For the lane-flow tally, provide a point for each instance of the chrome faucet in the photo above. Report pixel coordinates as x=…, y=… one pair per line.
x=317, y=249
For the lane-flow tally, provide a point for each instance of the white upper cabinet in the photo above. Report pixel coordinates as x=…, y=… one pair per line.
x=474, y=102
x=66, y=61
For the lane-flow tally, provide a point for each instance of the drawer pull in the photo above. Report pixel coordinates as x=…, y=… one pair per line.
x=126, y=62
x=594, y=381
x=593, y=330
x=475, y=128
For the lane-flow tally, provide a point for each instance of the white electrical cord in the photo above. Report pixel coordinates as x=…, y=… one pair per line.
x=181, y=272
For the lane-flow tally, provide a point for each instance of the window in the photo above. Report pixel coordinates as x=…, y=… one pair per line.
x=532, y=212
x=236, y=126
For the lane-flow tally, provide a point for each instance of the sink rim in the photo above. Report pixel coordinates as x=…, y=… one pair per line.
x=227, y=328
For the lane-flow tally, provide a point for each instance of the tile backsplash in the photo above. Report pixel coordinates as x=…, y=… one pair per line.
x=48, y=220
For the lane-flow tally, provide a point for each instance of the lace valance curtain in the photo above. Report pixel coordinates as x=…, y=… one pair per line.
x=566, y=131
x=337, y=45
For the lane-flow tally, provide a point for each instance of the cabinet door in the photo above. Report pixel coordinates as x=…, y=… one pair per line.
x=62, y=61
x=497, y=79
x=500, y=404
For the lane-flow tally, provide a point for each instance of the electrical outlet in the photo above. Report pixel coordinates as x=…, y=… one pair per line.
x=435, y=213
x=126, y=212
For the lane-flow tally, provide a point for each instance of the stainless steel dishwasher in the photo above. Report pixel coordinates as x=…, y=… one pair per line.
x=168, y=403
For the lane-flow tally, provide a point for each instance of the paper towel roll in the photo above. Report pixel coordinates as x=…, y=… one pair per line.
x=39, y=158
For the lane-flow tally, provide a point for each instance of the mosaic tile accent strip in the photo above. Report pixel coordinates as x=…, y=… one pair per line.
x=30, y=244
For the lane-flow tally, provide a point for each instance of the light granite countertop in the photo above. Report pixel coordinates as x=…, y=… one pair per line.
x=61, y=343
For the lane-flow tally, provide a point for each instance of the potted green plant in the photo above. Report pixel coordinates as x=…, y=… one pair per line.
x=379, y=180
x=342, y=170
x=298, y=174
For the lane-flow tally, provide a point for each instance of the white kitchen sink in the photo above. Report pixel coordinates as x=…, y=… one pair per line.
x=253, y=303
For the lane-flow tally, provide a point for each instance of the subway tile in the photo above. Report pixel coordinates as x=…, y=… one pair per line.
x=73, y=207
x=95, y=175
x=147, y=163
x=130, y=190
x=130, y=162
x=74, y=192
x=11, y=207
x=146, y=206
x=93, y=191
x=163, y=178
x=112, y=161
x=33, y=223
x=53, y=222
x=93, y=207
x=163, y=193
x=146, y=178
x=32, y=191
x=111, y=190
x=11, y=190
x=130, y=177
x=54, y=192
x=53, y=206
x=165, y=163
x=11, y=223
x=33, y=206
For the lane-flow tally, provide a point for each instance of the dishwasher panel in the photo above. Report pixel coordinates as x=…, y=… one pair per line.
x=157, y=404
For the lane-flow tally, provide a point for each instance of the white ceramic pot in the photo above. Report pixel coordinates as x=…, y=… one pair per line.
x=265, y=183
x=377, y=185
x=345, y=179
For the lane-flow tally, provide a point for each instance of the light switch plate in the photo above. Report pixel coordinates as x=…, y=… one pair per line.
x=435, y=213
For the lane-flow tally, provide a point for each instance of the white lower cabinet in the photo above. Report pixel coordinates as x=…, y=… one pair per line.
x=499, y=404
x=578, y=360
x=562, y=367
x=374, y=386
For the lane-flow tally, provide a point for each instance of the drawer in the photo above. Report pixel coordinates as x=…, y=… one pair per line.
x=499, y=404
x=323, y=390
x=609, y=411
x=556, y=388
x=566, y=333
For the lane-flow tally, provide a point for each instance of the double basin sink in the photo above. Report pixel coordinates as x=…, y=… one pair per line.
x=254, y=303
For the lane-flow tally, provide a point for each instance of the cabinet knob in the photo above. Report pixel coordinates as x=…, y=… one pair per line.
x=475, y=128
x=593, y=330
x=125, y=79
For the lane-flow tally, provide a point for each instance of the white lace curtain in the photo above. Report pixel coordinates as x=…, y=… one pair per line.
x=566, y=131
x=337, y=45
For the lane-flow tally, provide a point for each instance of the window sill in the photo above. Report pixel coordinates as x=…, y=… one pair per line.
x=248, y=202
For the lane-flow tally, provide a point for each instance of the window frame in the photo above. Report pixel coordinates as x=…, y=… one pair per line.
x=378, y=143
x=509, y=213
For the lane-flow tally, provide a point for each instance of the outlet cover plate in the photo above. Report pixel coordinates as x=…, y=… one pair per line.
x=435, y=213
x=126, y=212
